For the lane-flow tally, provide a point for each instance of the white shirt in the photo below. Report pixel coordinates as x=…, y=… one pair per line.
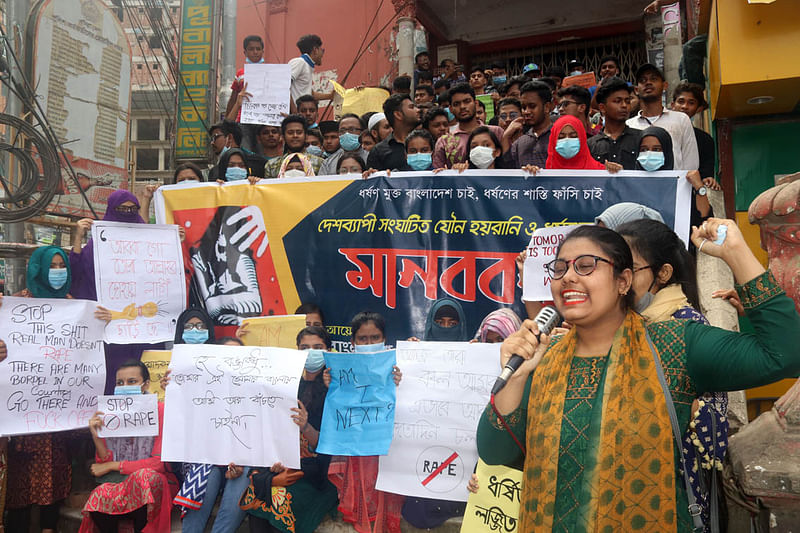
x=679, y=127
x=302, y=77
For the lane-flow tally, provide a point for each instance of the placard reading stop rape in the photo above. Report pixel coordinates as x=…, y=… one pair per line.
x=55, y=367
x=129, y=415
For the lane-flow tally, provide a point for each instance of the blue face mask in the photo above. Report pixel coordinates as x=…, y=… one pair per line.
x=419, y=161
x=315, y=361
x=349, y=142
x=314, y=150
x=235, y=174
x=247, y=60
x=651, y=161
x=369, y=348
x=314, y=126
x=575, y=73
x=57, y=277
x=127, y=390
x=194, y=336
x=568, y=147
x=498, y=80
x=450, y=116
x=224, y=149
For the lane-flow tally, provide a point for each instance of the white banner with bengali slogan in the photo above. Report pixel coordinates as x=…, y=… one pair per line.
x=55, y=367
x=139, y=276
x=232, y=404
x=444, y=390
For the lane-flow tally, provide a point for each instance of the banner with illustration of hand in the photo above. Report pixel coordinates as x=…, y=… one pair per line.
x=388, y=244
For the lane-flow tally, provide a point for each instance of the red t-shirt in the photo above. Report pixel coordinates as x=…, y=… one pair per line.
x=236, y=88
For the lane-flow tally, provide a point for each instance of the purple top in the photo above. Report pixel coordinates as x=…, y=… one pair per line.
x=82, y=263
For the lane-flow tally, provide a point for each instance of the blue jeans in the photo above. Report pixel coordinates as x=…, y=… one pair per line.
x=229, y=516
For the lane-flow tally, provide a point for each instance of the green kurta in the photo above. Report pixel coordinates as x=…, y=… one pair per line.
x=696, y=358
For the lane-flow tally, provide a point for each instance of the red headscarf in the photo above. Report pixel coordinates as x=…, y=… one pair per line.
x=583, y=160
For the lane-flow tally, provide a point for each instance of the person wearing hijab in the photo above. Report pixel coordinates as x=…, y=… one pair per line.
x=567, y=148
x=655, y=153
x=123, y=206
x=498, y=325
x=445, y=323
x=39, y=468
x=232, y=166
x=194, y=327
x=297, y=166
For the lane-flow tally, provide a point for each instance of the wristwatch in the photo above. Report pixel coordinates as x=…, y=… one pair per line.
x=702, y=191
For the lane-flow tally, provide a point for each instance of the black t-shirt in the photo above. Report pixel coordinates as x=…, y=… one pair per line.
x=389, y=154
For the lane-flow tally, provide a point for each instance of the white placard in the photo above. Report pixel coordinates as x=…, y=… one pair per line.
x=540, y=251
x=139, y=277
x=268, y=86
x=128, y=415
x=444, y=391
x=55, y=366
x=232, y=404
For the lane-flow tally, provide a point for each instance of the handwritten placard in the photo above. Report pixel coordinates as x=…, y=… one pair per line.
x=444, y=390
x=268, y=86
x=55, y=367
x=495, y=507
x=541, y=250
x=232, y=404
x=585, y=80
x=359, y=409
x=279, y=331
x=139, y=276
x=129, y=415
x=157, y=363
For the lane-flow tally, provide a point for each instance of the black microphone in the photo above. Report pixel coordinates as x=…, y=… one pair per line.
x=547, y=319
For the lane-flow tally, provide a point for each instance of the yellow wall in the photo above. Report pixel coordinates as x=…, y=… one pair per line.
x=752, y=236
x=753, y=50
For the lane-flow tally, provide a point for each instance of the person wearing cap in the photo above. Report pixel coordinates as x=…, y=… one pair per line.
x=379, y=127
x=650, y=87
x=350, y=128
x=330, y=137
x=618, y=214
x=532, y=71
x=294, y=132
x=688, y=98
x=576, y=67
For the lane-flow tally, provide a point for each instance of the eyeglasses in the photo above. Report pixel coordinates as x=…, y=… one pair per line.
x=355, y=130
x=583, y=265
x=564, y=103
x=126, y=209
x=508, y=116
x=215, y=137
x=198, y=327
x=635, y=270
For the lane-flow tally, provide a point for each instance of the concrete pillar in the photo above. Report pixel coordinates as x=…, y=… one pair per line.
x=227, y=63
x=673, y=43
x=405, y=46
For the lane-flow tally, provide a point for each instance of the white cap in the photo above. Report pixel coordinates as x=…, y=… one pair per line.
x=374, y=119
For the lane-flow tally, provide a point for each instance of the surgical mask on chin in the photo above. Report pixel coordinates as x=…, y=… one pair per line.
x=651, y=161
x=194, y=336
x=369, y=348
x=450, y=116
x=247, y=60
x=644, y=302
x=127, y=390
x=294, y=173
x=314, y=150
x=575, y=73
x=349, y=142
x=235, y=174
x=419, y=161
x=224, y=149
x=481, y=156
x=315, y=361
x=57, y=277
x=568, y=147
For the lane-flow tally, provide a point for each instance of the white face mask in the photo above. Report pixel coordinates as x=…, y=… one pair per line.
x=481, y=156
x=294, y=173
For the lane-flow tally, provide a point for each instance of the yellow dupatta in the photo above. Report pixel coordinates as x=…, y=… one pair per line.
x=665, y=303
x=629, y=471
